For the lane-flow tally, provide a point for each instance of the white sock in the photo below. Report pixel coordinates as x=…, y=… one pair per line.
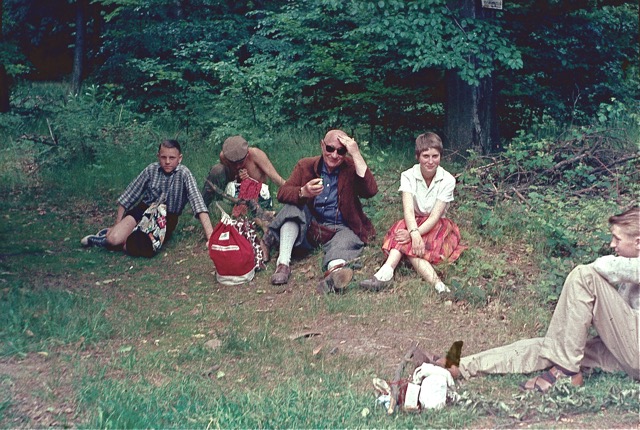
x=334, y=263
x=441, y=287
x=384, y=273
x=288, y=235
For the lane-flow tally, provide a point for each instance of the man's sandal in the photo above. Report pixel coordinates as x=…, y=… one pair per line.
x=546, y=380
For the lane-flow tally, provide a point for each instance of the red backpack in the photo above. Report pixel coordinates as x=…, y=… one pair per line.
x=232, y=253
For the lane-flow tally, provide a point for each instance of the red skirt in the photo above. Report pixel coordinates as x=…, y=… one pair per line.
x=441, y=243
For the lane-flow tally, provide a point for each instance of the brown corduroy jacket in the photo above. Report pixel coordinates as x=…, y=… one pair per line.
x=351, y=188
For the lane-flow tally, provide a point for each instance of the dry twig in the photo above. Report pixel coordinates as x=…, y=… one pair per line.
x=395, y=389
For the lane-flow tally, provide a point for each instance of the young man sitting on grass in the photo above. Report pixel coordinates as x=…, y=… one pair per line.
x=166, y=181
x=604, y=295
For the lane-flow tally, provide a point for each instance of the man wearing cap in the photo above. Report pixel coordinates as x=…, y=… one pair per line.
x=238, y=162
x=323, y=208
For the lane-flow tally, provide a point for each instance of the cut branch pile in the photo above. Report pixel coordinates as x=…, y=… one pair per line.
x=584, y=164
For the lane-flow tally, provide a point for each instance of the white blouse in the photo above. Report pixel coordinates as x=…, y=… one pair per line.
x=424, y=198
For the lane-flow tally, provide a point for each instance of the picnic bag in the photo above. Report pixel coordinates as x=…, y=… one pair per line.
x=232, y=253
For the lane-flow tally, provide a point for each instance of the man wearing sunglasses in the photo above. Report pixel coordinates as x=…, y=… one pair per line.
x=323, y=208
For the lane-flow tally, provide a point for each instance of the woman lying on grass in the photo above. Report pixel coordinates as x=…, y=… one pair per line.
x=589, y=298
x=425, y=236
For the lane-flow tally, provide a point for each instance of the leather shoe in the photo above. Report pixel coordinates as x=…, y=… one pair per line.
x=281, y=275
x=374, y=284
x=336, y=281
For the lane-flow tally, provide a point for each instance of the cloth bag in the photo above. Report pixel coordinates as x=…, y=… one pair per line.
x=232, y=253
x=435, y=386
x=147, y=237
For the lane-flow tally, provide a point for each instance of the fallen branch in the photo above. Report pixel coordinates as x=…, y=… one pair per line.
x=521, y=197
x=39, y=139
x=395, y=389
x=53, y=137
x=614, y=163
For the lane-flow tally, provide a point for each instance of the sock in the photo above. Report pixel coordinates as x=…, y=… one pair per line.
x=288, y=235
x=384, y=273
x=441, y=287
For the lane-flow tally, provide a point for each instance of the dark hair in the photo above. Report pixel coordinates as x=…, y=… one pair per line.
x=628, y=220
x=170, y=143
x=427, y=141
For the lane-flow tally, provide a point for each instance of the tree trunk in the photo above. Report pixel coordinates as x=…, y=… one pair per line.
x=178, y=9
x=470, y=116
x=4, y=79
x=79, y=49
x=4, y=90
x=470, y=111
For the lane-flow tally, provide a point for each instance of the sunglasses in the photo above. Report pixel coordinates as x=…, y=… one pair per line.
x=341, y=151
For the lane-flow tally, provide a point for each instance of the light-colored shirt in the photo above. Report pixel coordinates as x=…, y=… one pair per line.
x=178, y=186
x=624, y=273
x=424, y=197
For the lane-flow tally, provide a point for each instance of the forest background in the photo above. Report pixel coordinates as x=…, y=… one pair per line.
x=538, y=105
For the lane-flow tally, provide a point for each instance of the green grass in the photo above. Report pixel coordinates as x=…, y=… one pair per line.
x=5, y=397
x=35, y=319
x=329, y=399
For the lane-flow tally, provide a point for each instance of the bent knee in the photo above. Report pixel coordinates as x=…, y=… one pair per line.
x=582, y=271
x=218, y=171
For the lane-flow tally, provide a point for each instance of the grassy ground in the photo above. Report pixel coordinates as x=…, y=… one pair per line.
x=90, y=338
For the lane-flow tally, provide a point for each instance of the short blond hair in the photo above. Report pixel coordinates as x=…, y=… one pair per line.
x=427, y=141
x=628, y=220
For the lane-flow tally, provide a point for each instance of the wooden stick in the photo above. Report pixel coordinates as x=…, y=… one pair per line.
x=53, y=137
x=395, y=390
x=521, y=197
x=614, y=163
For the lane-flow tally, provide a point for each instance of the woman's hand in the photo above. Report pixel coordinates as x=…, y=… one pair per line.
x=417, y=244
x=402, y=236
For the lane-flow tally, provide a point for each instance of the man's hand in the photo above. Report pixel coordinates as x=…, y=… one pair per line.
x=354, y=150
x=350, y=144
x=312, y=188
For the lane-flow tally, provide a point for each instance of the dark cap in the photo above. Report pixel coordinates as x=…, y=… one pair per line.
x=235, y=148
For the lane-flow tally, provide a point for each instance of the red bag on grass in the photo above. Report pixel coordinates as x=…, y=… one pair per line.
x=232, y=254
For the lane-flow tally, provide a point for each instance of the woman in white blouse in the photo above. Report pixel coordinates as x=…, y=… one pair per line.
x=425, y=236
